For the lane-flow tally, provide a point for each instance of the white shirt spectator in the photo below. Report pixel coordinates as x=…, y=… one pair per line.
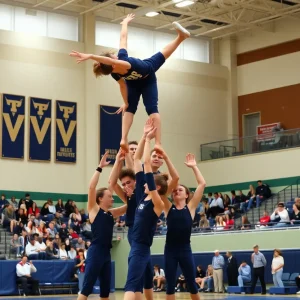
x=276, y=262
x=52, y=209
x=31, y=249
x=51, y=232
x=217, y=202
x=72, y=254
x=63, y=254
x=284, y=216
x=85, y=254
x=41, y=246
x=162, y=273
x=25, y=269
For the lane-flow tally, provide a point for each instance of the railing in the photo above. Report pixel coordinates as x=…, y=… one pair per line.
x=251, y=144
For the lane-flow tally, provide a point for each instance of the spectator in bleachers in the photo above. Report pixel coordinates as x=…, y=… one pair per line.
x=21, y=215
x=14, y=203
x=244, y=274
x=87, y=245
x=209, y=198
x=216, y=207
x=31, y=249
x=45, y=213
x=16, y=246
x=18, y=228
x=42, y=230
x=74, y=223
x=77, y=215
x=41, y=246
x=262, y=192
x=28, y=201
x=80, y=244
x=84, y=216
x=208, y=279
x=73, y=234
x=51, y=230
x=218, y=264
x=62, y=252
x=277, y=268
x=229, y=221
x=31, y=228
x=24, y=271
x=51, y=252
x=259, y=263
x=295, y=215
x=56, y=242
x=37, y=219
x=180, y=283
x=120, y=222
x=87, y=230
x=159, y=278
x=59, y=207
x=63, y=232
x=67, y=244
x=34, y=210
x=72, y=253
x=280, y=215
x=220, y=223
x=24, y=238
x=226, y=203
x=263, y=221
x=9, y=218
x=3, y=202
x=246, y=225
x=51, y=206
x=69, y=208
x=203, y=224
x=232, y=269
x=246, y=206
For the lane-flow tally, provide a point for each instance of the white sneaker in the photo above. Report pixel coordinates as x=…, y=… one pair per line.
x=181, y=28
x=79, y=293
x=298, y=293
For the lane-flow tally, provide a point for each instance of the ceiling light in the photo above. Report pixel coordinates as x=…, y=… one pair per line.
x=152, y=14
x=176, y=1
x=185, y=3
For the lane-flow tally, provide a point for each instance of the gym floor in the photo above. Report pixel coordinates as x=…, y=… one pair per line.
x=161, y=296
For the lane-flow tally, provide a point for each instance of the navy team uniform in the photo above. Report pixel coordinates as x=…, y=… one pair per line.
x=130, y=214
x=178, y=249
x=141, y=80
x=139, y=262
x=98, y=262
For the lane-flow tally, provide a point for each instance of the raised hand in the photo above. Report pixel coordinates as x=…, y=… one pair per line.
x=128, y=19
x=151, y=134
x=103, y=162
x=121, y=155
x=128, y=191
x=190, y=160
x=148, y=126
x=80, y=57
x=122, y=109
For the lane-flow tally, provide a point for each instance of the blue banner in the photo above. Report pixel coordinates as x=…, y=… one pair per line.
x=13, y=122
x=110, y=131
x=40, y=129
x=66, y=131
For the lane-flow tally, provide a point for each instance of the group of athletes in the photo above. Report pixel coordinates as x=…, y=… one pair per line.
x=144, y=190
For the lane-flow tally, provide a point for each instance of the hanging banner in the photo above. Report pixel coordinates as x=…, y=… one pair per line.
x=110, y=131
x=65, y=131
x=40, y=129
x=267, y=132
x=13, y=119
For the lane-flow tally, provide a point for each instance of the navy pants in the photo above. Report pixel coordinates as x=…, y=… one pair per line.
x=97, y=266
x=145, y=87
x=183, y=256
x=140, y=272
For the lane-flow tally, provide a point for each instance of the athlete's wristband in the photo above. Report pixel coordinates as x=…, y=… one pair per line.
x=99, y=170
x=150, y=181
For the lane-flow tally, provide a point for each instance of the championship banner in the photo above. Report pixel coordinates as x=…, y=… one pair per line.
x=13, y=122
x=65, y=131
x=40, y=129
x=110, y=131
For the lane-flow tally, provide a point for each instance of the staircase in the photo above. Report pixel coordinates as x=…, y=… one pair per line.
x=5, y=238
x=285, y=195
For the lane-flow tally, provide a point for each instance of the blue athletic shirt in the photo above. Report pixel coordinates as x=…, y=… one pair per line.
x=131, y=208
x=179, y=226
x=145, y=218
x=139, y=68
x=102, y=228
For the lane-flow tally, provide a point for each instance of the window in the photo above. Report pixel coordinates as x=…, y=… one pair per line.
x=149, y=42
x=6, y=17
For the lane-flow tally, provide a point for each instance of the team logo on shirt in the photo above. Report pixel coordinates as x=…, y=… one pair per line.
x=141, y=206
x=134, y=76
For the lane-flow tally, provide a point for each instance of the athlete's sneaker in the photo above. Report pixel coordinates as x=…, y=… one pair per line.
x=181, y=28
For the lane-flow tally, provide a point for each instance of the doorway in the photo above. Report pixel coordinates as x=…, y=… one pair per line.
x=250, y=122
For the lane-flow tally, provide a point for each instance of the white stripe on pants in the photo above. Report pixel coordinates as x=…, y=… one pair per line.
x=218, y=280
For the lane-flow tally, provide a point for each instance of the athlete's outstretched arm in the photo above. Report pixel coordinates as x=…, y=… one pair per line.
x=114, y=176
x=138, y=167
x=92, y=204
x=173, y=173
x=191, y=163
x=124, y=31
x=80, y=57
x=156, y=199
x=118, y=211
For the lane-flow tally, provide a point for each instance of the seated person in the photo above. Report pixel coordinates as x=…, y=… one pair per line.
x=80, y=244
x=247, y=205
x=262, y=193
x=295, y=215
x=63, y=232
x=62, y=252
x=87, y=229
x=24, y=270
x=220, y=223
x=216, y=207
x=51, y=252
x=200, y=274
x=229, y=222
x=72, y=253
x=159, y=278
x=16, y=246
x=203, y=224
x=32, y=250
x=120, y=222
x=244, y=274
x=281, y=215
x=51, y=230
x=181, y=283
x=263, y=221
x=208, y=279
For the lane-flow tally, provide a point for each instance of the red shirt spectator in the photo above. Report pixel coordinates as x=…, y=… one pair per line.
x=229, y=222
x=265, y=219
x=34, y=210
